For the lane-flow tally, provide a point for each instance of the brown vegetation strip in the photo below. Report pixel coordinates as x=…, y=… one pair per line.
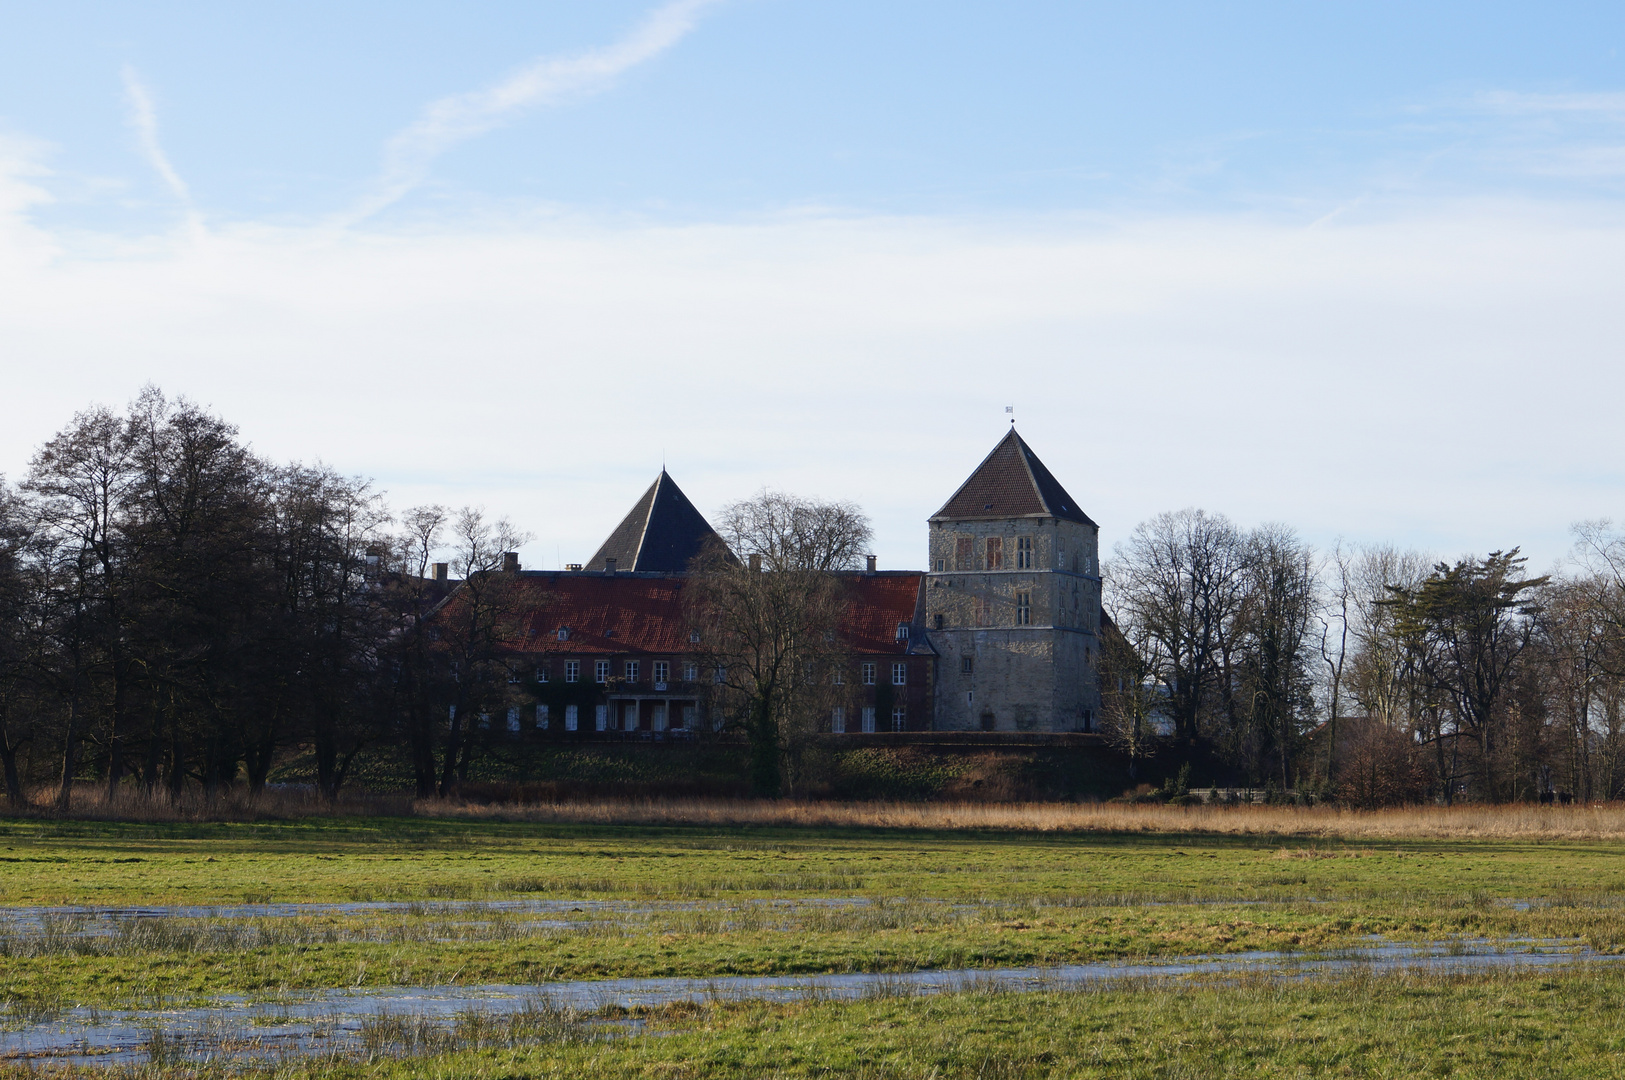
x=1515, y=822
x=1523, y=821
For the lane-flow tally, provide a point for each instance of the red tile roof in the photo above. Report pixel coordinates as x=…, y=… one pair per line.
x=643, y=613
x=1011, y=482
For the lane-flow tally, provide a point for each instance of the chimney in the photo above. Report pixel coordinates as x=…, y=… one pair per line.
x=510, y=562
x=609, y=566
x=440, y=571
x=756, y=562
x=871, y=567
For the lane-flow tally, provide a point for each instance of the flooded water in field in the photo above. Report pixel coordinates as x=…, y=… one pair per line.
x=347, y=1021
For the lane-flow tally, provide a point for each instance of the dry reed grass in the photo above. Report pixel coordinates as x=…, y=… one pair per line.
x=1604, y=821
x=1522, y=821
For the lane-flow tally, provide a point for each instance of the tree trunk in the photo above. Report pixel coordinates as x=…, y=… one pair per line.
x=70, y=755
x=764, y=749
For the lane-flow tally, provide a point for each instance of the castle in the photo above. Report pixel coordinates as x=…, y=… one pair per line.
x=1001, y=633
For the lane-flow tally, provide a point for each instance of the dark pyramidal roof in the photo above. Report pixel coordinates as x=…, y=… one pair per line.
x=1011, y=482
x=661, y=534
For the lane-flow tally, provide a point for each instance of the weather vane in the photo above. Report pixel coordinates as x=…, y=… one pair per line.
x=1011, y=409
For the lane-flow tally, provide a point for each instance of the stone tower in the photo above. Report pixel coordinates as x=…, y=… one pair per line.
x=1012, y=600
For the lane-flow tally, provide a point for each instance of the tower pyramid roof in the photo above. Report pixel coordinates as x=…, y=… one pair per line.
x=662, y=534
x=1011, y=482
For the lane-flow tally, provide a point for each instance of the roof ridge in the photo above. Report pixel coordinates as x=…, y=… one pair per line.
x=643, y=533
x=980, y=466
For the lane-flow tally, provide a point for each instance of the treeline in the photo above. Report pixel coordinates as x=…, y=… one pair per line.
x=175, y=609
x=1371, y=675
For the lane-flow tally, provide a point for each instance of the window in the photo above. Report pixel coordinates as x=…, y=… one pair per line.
x=564, y=633
x=631, y=671
x=720, y=675
x=542, y=717
x=454, y=670
x=662, y=671
x=600, y=671
x=571, y=718
x=600, y=717
x=939, y=620
x=572, y=670
x=995, y=552
x=838, y=677
x=629, y=717
x=513, y=719
x=899, y=674
x=657, y=718
x=689, y=712
x=691, y=673
x=1060, y=555
x=940, y=563
x=902, y=631
x=837, y=720
x=964, y=552
x=868, y=674
x=1024, y=608
x=541, y=672
x=693, y=637
x=513, y=676
x=967, y=664
x=868, y=719
x=899, y=719
x=970, y=697
x=984, y=614
x=1024, y=553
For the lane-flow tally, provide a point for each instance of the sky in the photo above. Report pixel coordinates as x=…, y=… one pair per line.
x=1355, y=268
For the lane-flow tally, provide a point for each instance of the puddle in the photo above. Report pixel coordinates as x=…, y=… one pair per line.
x=332, y=1021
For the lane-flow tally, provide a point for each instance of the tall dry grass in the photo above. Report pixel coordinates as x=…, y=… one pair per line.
x=93, y=802
x=1520, y=822
x=1601, y=821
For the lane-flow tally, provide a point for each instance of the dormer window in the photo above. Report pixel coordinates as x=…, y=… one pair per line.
x=693, y=637
x=564, y=633
x=902, y=631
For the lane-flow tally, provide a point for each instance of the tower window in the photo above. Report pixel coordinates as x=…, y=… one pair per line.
x=967, y=665
x=939, y=620
x=995, y=552
x=1024, y=608
x=964, y=552
x=1024, y=553
x=939, y=565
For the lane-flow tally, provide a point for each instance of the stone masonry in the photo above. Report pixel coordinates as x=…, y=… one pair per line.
x=1012, y=601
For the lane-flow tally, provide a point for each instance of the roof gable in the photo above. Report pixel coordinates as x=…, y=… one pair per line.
x=662, y=534
x=1011, y=482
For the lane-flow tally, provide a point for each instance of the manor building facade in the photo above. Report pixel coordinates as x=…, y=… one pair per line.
x=1000, y=633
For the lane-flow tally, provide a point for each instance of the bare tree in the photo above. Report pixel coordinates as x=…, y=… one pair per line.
x=769, y=618
x=1177, y=585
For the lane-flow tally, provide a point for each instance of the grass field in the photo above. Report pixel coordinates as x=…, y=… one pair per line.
x=768, y=895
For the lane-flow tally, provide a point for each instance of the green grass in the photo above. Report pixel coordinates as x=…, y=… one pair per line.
x=1566, y=1024
x=938, y=900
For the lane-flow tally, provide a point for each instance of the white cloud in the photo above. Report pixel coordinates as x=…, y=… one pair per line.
x=1444, y=375
x=454, y=119
x=144, y=122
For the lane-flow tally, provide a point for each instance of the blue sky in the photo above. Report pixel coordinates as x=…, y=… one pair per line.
x=1354, y=267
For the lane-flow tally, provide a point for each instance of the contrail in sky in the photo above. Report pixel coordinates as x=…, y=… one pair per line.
x=145, y=122
x=451, y=120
